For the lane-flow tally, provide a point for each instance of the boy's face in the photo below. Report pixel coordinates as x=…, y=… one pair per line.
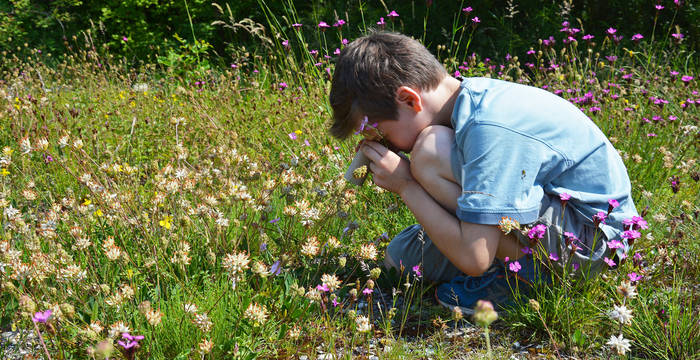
x=399, y=134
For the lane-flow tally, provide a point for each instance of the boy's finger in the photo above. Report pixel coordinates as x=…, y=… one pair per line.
x=379, y=148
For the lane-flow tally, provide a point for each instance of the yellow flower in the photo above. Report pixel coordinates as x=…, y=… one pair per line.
x=167, y=222
x=87, y=202
x=4, y=172
x=98, y=212
x=298, y=132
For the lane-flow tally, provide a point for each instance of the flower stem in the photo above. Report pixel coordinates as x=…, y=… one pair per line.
x=41, y=339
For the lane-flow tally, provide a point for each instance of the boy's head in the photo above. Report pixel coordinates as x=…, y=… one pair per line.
x=369, y=73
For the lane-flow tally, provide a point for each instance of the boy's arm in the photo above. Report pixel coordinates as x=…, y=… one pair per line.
x=470, y=247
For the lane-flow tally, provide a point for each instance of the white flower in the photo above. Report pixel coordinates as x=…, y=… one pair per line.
x=621, y=314
x=363, y=324
x=620, y=344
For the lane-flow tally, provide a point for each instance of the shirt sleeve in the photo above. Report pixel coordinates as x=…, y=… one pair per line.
x=502, y=174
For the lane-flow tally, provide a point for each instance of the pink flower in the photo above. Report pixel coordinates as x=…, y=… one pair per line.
x=537, y=231
x=614, y=203
x=467, y=9
x=611, y=31
x=323, y=25
x=476, y=20
x=42, y=316
x=339, y=23
x=335, y=302
x=514, y=266
x=659, y=7
x=610, y=262
x=637, y=37
x=615, y=244
x=393, y=14
x=526, y=250
x=322, y=288
x=367, y=291
x=296, y=26
x=564, y=197
x=634, y=277
x=416, y=270
x=631, y=234
x=292, y=135
x=553, y=257
x=381, y=22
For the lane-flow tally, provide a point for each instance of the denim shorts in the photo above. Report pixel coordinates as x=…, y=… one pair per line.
x=412, y=246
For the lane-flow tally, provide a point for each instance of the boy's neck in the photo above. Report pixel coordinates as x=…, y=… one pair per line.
x=441, y=101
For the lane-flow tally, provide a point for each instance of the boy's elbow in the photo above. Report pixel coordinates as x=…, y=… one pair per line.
x=476, y=268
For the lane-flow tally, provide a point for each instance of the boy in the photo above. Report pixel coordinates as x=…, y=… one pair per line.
x=482, y=151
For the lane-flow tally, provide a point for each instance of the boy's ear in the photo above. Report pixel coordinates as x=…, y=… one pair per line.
x=410, y=97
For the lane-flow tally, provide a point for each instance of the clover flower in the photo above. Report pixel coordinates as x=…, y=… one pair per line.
x=620, y=344
x=42, y=316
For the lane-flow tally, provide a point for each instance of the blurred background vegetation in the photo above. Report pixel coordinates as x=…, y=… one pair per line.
x=140, y=30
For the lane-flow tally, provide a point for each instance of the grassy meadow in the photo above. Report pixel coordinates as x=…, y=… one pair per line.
x=204, y=208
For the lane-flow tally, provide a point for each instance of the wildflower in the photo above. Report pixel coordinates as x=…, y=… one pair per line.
x=322, y=288
x=611, y=31
x=612, y=203
x=202, y=322
x=190, y=308
x=615, y=244
x=526, y=250
x=381, y=22
x=368, y=252
x=311, y=247
x=294, y=332
x=484, y=314
x=467, y=10
x=537, y=231
x=167, y=222
x=42, y=316
x=393, y=14
x=125, y=39
x=508, y=224
x=416, y=270
x=634, y=277
x=475, y=20
x=339, y=23
x=296, y=26
x=553, y=257
x=514, y=266
x=564, y=197
x=132, y=341
x=631, y=234
x=621, y=314
x=620, y=344
x=367, y=291
x=154, y=317
x=276, y=268
x=637, y=37
x=599, y=218
x=256, y=313
x=363, y=324
x=323, y=25
x=658, y=7
x=205, y=346
x=236, y=263
x=627, y=290
x=686, y=78
x=610, y=262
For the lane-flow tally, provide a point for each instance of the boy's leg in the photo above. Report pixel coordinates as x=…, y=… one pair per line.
x=430, y=166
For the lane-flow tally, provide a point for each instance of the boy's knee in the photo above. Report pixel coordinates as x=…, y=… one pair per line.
x=431, y=154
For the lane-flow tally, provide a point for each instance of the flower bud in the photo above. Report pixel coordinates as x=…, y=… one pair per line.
x=484, y=314
x=534, y=305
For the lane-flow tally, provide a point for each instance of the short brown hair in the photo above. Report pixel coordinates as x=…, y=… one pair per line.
x=368, y=73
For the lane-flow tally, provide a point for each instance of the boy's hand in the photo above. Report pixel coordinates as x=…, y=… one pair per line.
x=390, y=170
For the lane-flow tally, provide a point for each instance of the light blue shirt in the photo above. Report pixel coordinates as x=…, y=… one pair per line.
x=516, y=143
